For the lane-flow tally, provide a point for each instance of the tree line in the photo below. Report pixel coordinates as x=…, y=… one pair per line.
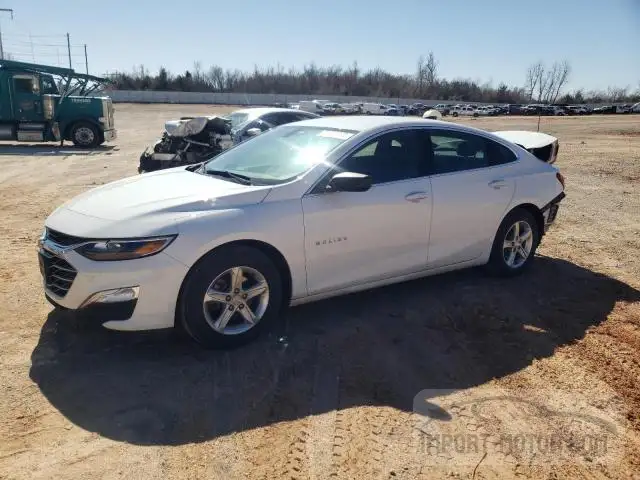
x=542, y=84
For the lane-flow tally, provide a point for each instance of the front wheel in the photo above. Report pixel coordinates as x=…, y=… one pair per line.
x=454, y=114
x=230, y=296
x=515, y=244
x=85, y=135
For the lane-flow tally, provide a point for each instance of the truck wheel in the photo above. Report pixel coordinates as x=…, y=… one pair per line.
x=454, y=114
x=85, y=135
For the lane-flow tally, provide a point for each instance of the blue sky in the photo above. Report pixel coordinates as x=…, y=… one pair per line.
x=489, y=40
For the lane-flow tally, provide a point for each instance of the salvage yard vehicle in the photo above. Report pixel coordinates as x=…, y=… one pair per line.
x=222, y=248
x=186, y=141
x=443, y=109
x=312, y=106
x=464, y=110
x=370, y=108
x=249, y=122
x=332, y=108
x=33, y=108
x=543, y=146
x=192, y=140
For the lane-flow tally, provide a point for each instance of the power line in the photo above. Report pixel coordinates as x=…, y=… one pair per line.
x=48, y=51
x=28, y=35
x=1, y=48
x=36, y=44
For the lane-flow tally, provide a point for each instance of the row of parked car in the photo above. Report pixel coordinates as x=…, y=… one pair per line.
x=322, y=107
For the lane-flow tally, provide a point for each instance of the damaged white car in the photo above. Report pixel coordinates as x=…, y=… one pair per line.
x=542, y=145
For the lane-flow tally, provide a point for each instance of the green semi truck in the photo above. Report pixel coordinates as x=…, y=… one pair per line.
x=40, y=103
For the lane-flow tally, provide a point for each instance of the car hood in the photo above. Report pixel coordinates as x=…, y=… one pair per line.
x=149, y=204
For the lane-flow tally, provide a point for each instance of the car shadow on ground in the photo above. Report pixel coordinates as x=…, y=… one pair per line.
x=52, y=150
x=380, y=347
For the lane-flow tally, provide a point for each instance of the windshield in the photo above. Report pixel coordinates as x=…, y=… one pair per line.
x=279, y=155
x=238, y=118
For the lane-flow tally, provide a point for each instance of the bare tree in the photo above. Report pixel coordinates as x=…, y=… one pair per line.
x=216, y=78
x=617, y=94
x=534, y=76
x=543, y=79
x=546, y=83
x=420, y=75
x=426, y=74
x=431, y=70
x=549, y=82
x=561, y=71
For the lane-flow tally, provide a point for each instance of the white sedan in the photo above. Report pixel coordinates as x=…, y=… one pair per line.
x=306, y=211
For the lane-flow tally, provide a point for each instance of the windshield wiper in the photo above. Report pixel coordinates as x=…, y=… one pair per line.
x=243, y=179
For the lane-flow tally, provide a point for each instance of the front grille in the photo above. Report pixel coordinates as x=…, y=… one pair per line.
x=58, y=273
x=63, y=239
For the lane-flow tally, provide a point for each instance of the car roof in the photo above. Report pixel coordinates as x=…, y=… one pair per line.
x=362, y=123
x=380, y=123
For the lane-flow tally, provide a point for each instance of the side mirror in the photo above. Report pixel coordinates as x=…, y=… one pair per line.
x=253, y=132
x=349, y=182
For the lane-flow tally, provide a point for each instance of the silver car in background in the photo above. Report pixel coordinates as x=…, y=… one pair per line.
x=249, y=122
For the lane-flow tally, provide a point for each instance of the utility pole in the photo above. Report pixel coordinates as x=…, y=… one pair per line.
x=69, y=51
x=86, y=60
x=1, y=49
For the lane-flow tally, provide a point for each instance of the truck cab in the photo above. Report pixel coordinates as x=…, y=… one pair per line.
x=33, y=108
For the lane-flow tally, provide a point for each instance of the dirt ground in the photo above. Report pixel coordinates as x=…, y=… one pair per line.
x=457, y=376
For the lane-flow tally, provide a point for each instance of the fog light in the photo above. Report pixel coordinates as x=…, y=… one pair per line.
x=117, y=295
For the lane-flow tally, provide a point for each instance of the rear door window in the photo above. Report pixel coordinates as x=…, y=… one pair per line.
x=453, y=151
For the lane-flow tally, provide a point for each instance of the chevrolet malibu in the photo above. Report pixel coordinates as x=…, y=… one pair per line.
x=306, y=211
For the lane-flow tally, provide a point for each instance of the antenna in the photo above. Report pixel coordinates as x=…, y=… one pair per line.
x=1, y=49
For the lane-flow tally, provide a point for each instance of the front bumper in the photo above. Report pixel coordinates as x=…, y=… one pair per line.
x=158, y=279
x=100, y=313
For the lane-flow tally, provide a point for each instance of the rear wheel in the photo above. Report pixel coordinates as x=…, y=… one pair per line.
x=230, y=297
x=85, y=135
x=515, y=244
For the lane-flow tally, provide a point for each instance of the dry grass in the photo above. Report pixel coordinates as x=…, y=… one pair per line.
x=334, y=398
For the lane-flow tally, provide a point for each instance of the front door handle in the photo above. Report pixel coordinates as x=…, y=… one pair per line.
x=497, y=184
x=416, y=197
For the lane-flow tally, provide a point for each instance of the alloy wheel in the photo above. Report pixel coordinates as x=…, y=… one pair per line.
x=236, y=300
x=517, y=244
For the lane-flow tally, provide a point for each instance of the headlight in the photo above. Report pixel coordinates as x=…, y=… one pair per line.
x=109, y=250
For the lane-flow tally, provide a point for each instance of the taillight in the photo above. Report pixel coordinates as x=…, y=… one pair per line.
x=560, y=178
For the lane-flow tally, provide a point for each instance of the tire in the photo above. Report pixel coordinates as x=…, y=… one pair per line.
x=501, y=254
x=218, y=267
x=85, y=135
x=454, y=114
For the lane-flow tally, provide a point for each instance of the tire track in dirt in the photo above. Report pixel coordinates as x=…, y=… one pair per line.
x=322, y=422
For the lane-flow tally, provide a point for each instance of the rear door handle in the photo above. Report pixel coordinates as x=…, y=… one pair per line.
x=497, y=184
x=416, y=197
